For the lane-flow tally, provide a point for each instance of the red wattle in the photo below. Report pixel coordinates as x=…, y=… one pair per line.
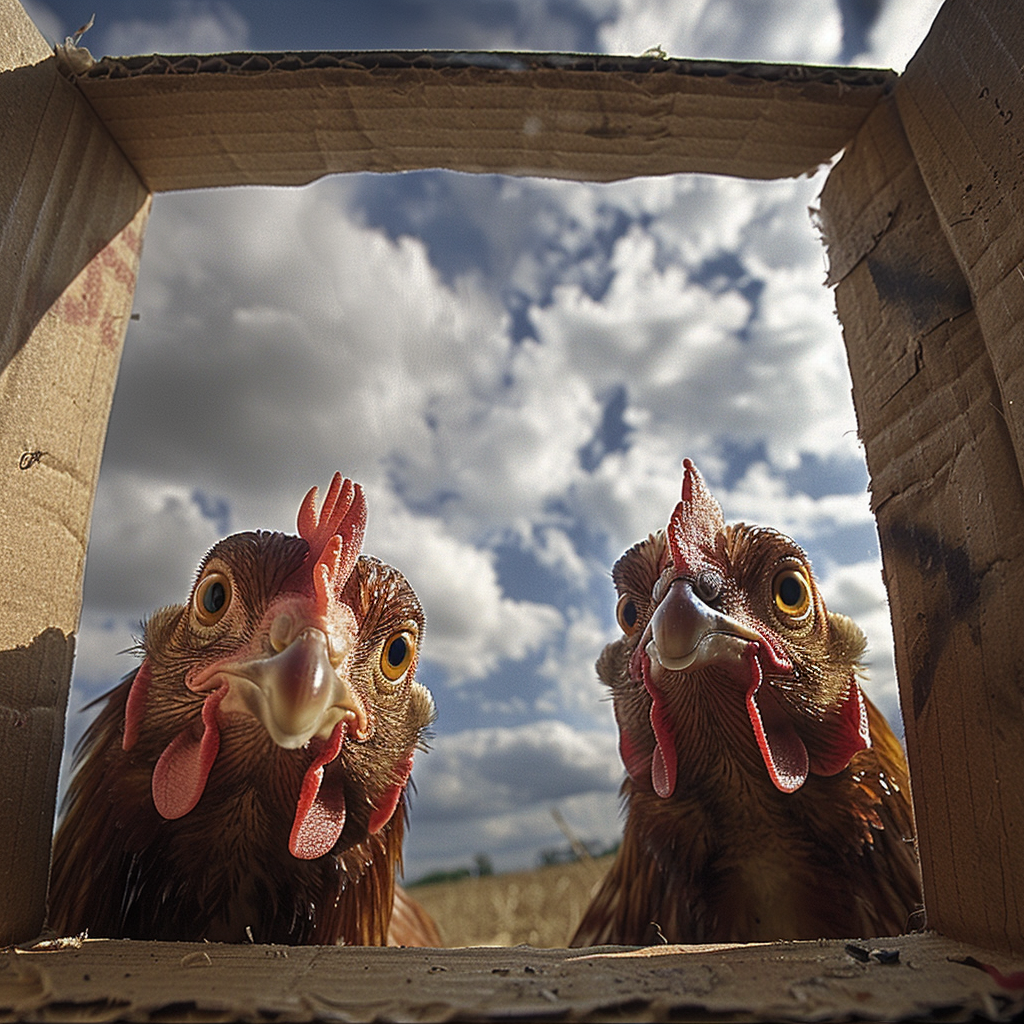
x=632, y=758
x=784, y=753
x=664, y=762
x=840, y=734
x=319, y=816
x=385, y=806
x=180, y=775
x=135, y=706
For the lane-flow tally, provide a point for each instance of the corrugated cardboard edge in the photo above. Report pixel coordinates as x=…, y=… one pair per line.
x=919, y=977
x=287, y=119
x=73, y=212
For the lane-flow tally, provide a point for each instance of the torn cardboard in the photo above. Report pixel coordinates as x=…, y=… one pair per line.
x=920, y=977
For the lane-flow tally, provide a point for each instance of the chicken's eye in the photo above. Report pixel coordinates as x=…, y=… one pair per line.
x=708, y=585
x=792, y=593
x=212, y=597
x=397, y=654
x=628, y=614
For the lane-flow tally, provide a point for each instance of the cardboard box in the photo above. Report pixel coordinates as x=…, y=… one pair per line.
x=923, y=226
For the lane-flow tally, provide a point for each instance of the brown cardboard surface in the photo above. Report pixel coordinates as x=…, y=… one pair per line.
x=962, y=101
x=800, y=981
x=20, y=41
x=962, y=104
x=947, y=494
x=286, y=119
x=967, y=132
x=72, y=213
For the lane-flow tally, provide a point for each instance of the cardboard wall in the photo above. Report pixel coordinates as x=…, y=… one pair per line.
x=73, y=212
x=923, y=221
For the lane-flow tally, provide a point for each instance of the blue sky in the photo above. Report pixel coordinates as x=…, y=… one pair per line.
x=513, y=369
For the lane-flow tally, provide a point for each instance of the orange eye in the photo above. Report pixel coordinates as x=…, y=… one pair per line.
x=628, y=614
x=397, y=655
x=212, y=598
x=792, y=593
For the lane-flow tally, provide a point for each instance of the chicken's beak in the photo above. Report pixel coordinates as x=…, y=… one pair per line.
x=687, y=633
x=296, y=693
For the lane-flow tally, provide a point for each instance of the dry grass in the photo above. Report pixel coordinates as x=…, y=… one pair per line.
x=541, y=908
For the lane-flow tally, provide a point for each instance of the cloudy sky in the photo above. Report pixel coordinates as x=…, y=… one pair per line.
x=512, y=368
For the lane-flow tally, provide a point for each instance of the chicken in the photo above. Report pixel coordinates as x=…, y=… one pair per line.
x=766, y=797
x=247, y=782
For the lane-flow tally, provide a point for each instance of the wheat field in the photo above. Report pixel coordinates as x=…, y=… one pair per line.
x=540, y=908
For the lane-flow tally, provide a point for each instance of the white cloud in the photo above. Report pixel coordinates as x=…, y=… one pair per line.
x=772, y=30
x=506, y=450
x=700, y=363
x=569, y=665
x=761, y=497
x=900, y=29
x=484, y=772
x=697, y=217
x=554, y=549
x=147, y=537
x=187, y=26
x=276, y=333
x=471, y=626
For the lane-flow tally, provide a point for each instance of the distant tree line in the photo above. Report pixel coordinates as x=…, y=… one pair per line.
x=483, y=866
x=569, y=853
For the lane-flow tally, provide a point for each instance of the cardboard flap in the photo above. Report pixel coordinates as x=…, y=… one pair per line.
x=287, y=119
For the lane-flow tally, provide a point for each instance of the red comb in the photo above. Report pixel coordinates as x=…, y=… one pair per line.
x=694, y=523
x=335, y=536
